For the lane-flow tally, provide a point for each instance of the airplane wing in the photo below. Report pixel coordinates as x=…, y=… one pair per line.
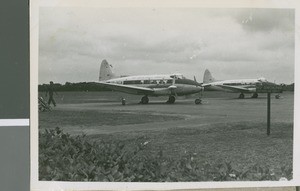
x=128, y=89
x=236, y=89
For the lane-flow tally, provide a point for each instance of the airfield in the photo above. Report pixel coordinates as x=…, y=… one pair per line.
x=223, y=127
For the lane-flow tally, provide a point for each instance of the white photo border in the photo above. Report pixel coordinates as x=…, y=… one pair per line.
x=37, y=185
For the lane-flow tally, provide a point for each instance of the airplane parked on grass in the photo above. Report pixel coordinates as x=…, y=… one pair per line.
x=171, y=85
x=241, y=86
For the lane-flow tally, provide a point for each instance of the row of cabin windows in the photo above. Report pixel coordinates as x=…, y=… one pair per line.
x=147, y=82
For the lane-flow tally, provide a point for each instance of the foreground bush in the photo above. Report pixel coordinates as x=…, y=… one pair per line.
x=76, y=158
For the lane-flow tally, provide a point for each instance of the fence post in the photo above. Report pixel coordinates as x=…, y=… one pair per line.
x=269, y=114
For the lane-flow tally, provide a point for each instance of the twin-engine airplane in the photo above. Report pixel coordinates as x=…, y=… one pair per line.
x=171, y=85
x=241, y=86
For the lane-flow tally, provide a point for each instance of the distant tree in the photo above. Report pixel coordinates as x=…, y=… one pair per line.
x=289, y=87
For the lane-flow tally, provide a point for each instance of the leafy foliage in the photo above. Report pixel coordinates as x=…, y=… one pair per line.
x=63, y=157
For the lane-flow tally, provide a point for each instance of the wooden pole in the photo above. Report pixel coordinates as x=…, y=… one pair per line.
x=269, y=114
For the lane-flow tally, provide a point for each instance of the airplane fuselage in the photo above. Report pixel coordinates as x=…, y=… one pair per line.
x=174, y=84
x=249, y=84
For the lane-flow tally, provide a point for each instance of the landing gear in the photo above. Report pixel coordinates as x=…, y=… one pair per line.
x=241, y=96
x=198, y=101
x=144, y=100
x=171, y=99
x=255, y=95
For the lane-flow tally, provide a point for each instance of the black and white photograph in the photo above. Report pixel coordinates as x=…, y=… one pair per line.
x=165, y=94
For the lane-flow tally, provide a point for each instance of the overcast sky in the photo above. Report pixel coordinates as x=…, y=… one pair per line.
x=231, y=43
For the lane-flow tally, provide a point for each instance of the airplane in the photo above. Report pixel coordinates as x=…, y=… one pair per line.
x=171, y=85
x=241, y=86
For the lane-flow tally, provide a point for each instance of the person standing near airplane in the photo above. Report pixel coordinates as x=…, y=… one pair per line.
x=50, y=90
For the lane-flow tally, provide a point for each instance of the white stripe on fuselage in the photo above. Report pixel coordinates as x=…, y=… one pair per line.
x=141, y=77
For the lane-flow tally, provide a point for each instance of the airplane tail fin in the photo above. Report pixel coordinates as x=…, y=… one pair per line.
x=105, y=71
x=207, y=78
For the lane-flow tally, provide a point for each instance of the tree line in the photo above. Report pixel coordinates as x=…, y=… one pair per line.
x=68, y=86
x=288, y=87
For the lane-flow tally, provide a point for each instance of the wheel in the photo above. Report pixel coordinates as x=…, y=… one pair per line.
x=171, y=99
x=255, y=95
x=241, y=96
x=198, y=101
x=145, y=100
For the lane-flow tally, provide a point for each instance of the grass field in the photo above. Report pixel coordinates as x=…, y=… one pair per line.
x=243, y=144
x=238, y=138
